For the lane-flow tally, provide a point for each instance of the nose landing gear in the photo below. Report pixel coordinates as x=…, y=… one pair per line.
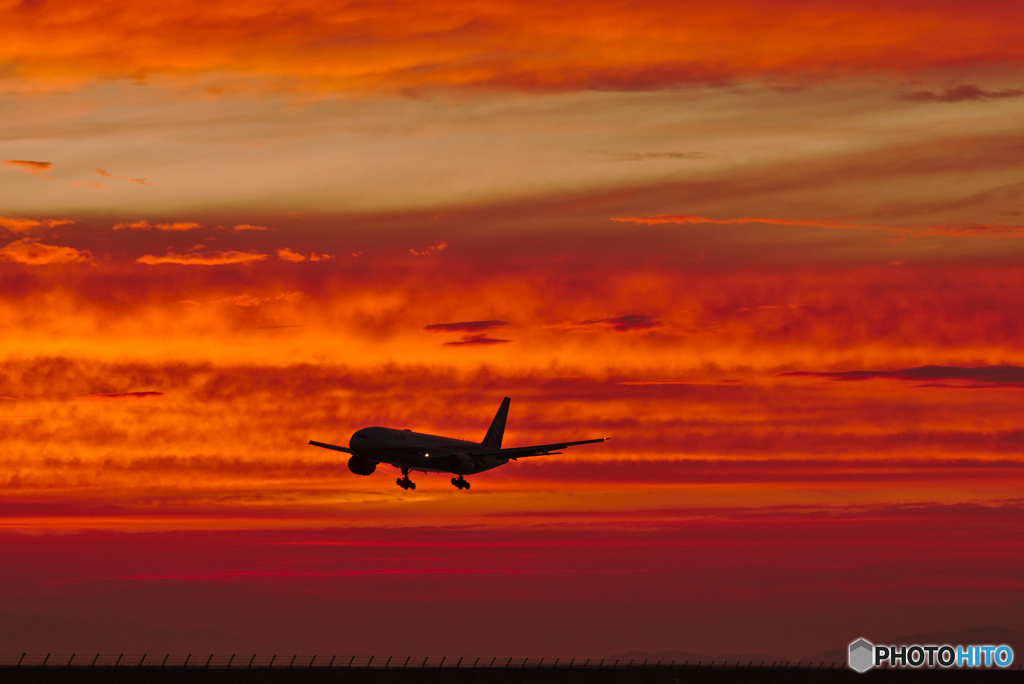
x=460, y=482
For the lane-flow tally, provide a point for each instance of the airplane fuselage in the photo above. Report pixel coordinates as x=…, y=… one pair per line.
x=420, y=451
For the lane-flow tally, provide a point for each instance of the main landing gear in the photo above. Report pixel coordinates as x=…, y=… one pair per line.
x=404, y=482
x=461, y=482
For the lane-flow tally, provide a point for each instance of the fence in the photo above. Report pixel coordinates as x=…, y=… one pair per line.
x=236, y=661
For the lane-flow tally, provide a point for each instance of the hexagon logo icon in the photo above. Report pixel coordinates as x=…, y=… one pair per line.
x=862, y=655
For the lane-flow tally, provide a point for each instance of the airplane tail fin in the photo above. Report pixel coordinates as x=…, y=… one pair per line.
x=497, y=430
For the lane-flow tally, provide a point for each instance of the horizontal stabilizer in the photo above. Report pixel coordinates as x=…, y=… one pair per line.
x=332, y=446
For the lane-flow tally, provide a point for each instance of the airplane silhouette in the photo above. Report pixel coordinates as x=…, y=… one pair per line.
x=408, y=451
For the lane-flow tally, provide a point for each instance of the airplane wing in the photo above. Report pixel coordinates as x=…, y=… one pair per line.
x=537, y=450
x=331, y=446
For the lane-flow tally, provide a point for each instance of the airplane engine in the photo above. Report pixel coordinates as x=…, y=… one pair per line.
x=361, y=466
x=460, y=464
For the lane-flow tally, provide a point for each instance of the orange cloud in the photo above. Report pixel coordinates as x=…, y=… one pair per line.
x=20, y=225
x=402, y=44
x=28, y=251
x=286, y=254
x=105, y=174
x=34, y=167
x=246, y=226
x=203, y=258
x=432, y=249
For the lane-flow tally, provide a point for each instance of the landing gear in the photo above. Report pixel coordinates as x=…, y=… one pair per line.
x=460, y=482
x=404, y=482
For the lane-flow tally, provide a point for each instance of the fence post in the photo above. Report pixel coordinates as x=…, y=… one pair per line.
x=20, y=659
x=475, y=662
x=249, y=666
x=311, y=662
x=230, y=659
x=424, y=663
x=94, y=660
x=492, y=662
x=45, y=659
x=459, y=663
x=143, y=659
x=122, y=656
x=186, y=661
x=538, y=664
x=350, y=662
x=388, y=663
x=272, y=660
x=70, y=659
x=294, y=656
x=442, y=662
x=165, y=660
x=331, y=664
x=371, y=661
x=406, y=663
x=208, y=661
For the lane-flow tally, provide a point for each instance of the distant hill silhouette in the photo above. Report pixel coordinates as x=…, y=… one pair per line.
x=46, y=634
x=692, y=658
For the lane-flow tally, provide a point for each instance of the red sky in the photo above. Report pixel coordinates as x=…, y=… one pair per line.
x=773, y=252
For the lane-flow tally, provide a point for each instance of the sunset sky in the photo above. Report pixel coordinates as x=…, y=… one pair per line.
x=773, y=250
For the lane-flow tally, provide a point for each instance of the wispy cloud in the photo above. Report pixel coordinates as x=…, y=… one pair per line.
x=126, y=395
x=17, y=225
x=625, y=323
x=203, y=258
x=42, y=168
x=973, y=230
x=474, y=332
x=432, y=249
x=286, y=254
x=649, y=156
x=33, y=167
x=106, y=174
x=978, y=377
x=28, y=251
x=146, y=225
x=465, y=326
x=482, y=339
x=962, y=93
x=246, y=226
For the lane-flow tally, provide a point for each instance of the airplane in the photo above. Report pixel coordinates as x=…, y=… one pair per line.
x=409, y=451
